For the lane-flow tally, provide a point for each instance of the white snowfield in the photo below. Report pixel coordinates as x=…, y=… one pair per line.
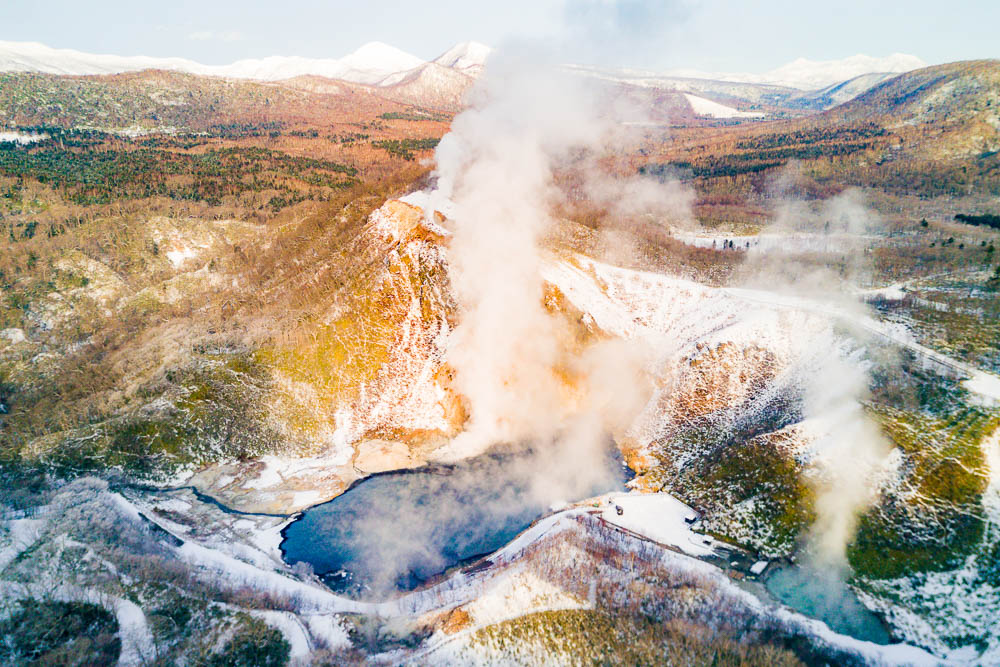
x=766, y=241
x=21, y=534
x=22, y=138
x=979, y=382
x=705, y=107
x=467, y=57
x=369, y=65
x=658, y=517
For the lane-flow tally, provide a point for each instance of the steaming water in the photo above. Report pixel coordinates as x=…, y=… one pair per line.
x=826, y=596
x=397, y=530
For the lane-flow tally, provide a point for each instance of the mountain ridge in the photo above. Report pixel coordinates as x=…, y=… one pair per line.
x=805, y=74
x=368, y=64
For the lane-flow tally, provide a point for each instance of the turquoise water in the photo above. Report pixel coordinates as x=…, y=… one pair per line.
x=826, y=596
x=395, y=531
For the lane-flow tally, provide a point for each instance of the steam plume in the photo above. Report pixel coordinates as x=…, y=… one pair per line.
x=850, y=449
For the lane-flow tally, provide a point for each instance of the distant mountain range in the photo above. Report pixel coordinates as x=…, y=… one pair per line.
x=376, y=63
x=799, y=87
x=373, y=64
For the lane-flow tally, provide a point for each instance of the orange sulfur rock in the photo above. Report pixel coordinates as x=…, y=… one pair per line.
x=457, y=621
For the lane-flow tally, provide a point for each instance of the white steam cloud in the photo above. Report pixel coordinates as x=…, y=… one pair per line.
x=850, y=452
x=820, y=256
x=515, y=362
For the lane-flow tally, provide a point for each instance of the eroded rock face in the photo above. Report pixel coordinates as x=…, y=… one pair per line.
x=367, y=390
x=366, y=386
x=720, y=377
x=409, y=392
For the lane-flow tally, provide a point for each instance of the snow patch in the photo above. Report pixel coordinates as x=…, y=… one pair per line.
x=21, y=534
x=13, y=336
x=514, y=594
x=291, y=627
x=307, y=498
x=330, y=630
x=21, y=138
x=706, y=107
x=985, y=384
x=178, y=257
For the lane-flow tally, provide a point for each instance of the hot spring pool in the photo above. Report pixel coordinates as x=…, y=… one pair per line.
x=394, y=531
x=825, y=595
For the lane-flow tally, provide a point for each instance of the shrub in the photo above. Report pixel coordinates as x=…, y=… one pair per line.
x=256, y=644
x=48, y=632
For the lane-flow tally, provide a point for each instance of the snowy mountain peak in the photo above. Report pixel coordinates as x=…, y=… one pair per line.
x=465, y=56
x=376, y=56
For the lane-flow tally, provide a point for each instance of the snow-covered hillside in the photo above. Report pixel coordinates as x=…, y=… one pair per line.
x=811, y=74
x=431, y=83
x=801, y=84
x=844, y=91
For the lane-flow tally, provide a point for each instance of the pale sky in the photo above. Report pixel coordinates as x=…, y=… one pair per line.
x=704, y=34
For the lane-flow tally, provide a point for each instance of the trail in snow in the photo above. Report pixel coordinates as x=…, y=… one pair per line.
x=292, y=628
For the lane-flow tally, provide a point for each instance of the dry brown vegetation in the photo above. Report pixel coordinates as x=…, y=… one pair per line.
x=112, y=320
